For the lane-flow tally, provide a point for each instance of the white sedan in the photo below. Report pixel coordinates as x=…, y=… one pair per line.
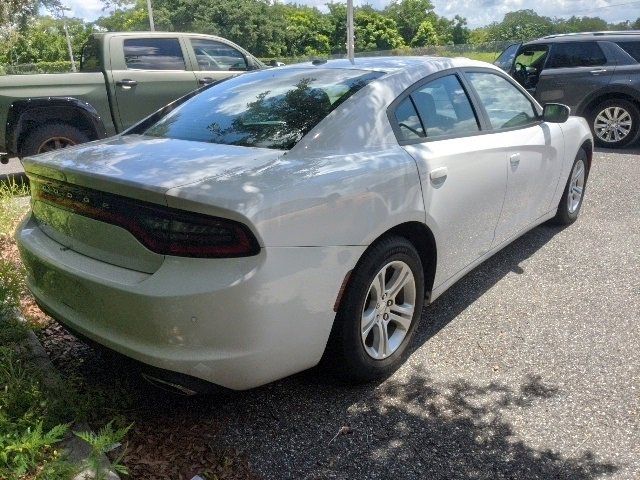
x=297, y=214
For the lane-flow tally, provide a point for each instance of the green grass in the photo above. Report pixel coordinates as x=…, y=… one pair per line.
x=36, y=414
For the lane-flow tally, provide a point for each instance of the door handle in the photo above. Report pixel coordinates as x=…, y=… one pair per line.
x=514, y=159
x=126, y=83
x=205, y=80
x=598, y=71
x=438, y=176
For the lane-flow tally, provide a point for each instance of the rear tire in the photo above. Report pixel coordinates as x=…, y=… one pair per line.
x=612, y=119
x=571, y=201
x=377, y=305
x=52, y=136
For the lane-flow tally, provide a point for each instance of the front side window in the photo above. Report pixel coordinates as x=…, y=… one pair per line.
x=153, y=54
x=506, y=106
x=212, y=55
x=444, y=108
x=576, y=54
x=268, y=109
x=505, y=60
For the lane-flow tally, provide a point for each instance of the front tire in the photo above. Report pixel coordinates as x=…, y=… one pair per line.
x=615, y=123
x=379, y=312
x=571, y=201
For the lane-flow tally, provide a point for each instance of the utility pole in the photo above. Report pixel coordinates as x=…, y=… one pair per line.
x=151, y=25
x=66, y=32
x=350, y=32
x=59, y=13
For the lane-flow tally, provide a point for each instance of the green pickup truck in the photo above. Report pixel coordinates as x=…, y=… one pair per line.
x=123, y=78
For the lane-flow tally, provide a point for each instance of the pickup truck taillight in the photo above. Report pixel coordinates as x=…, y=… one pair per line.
x=163, y=230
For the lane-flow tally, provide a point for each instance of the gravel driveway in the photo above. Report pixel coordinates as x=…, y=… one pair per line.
x=529, y=367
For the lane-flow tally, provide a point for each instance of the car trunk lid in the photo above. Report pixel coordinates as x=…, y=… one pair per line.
x=134, y=167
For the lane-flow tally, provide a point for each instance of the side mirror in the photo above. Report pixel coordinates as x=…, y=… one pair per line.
x=555, y=113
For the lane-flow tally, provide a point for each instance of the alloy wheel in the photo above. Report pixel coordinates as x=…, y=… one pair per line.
x=576, y=186
x=388, y=310
x=55, y=143
x=613, y=124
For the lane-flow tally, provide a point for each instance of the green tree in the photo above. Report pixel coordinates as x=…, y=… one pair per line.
x=521, y=25
x=459, y=31
x=426, y=35
x=409, y=15
x=374, y=31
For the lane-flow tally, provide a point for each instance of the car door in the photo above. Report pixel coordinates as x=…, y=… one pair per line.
x=506, y=59
x=148, y=73
x=462, y=173
x=215, y=60
x=532, y=149
x=573, y=70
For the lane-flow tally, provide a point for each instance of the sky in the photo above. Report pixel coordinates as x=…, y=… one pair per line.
x=477, y=12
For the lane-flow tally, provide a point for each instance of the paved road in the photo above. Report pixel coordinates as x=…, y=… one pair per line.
x=528, y=368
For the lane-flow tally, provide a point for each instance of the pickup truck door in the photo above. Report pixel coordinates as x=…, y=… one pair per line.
x=215, y=60
x=146, y=74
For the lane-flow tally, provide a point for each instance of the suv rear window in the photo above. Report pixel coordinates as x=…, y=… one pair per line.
x=632, y=48
x=153, y=54
x=269, y=109
x=576, y=54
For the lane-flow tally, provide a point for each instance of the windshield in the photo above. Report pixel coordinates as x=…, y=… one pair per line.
x=269, y=109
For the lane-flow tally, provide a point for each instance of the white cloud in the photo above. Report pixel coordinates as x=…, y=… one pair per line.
x=477, y=12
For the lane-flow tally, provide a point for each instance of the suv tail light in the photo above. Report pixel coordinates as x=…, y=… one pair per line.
x=164, y=230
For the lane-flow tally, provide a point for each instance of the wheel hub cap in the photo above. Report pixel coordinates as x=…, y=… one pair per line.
x=612, y=124
x=576, y=186
x=388, y=310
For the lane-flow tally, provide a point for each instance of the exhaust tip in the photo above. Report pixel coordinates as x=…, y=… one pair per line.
x=171, y=387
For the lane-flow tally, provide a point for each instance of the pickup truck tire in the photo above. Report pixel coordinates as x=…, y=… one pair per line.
x=51, y=136
x=614, y=123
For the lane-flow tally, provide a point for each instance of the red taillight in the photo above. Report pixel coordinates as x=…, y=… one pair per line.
x=164, y=230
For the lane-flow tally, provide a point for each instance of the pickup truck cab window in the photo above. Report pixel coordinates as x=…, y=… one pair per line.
x=212, y=55
x=505, y=104
x=153, y=54
x=91, y=55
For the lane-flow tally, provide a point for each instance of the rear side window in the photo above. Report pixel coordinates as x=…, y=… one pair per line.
x=409, y=125
x=444, y=108
x=576, y=54
x=632, y=48
x=153, y=54
x=90, y=60
x=212, y=55
x=505, y=104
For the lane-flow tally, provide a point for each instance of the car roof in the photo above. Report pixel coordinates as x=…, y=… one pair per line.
x=588, y=36
x=389, y=64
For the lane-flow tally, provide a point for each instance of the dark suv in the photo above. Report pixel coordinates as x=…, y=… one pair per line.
x=596, y=74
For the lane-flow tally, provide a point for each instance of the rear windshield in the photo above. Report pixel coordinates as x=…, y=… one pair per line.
x=270, y=109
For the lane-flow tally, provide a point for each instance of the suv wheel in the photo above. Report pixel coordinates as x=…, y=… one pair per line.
x=615, y=123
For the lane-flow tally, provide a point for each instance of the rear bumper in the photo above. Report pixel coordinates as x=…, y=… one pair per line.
x=238, y=323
